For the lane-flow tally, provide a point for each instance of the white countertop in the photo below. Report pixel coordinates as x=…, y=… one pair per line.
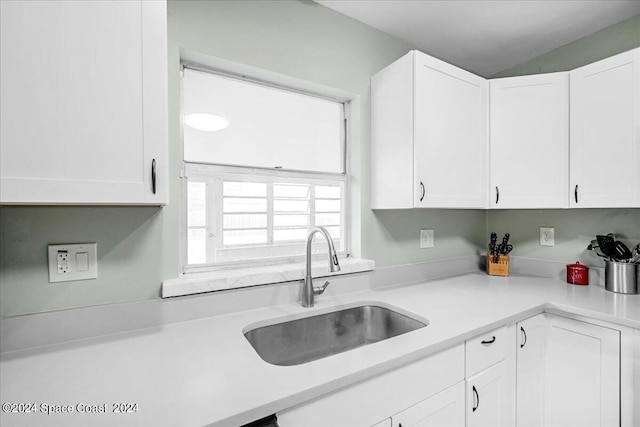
x=204, y=371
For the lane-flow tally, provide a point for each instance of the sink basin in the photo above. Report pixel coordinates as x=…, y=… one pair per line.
x=302, y=340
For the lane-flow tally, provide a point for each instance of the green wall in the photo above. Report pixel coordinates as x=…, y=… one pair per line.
x=138, y=247
x=608, y=42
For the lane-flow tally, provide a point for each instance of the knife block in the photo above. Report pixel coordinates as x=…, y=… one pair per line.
x=500, y=268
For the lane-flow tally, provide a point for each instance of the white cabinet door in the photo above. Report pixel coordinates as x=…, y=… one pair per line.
x=445, y=409
x=450, y=136
x=582, y=374
x=383, y=423
x=83, y=102
x=605, y=133
x=429, y=136
x=530, y=141
x=368, y=402
x=488, y=397
x=530, y=372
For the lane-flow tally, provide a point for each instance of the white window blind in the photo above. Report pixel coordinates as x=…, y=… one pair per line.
x=268, y=127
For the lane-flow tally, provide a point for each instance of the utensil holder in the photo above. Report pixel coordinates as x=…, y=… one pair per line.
x=622, y=277
x=500, y=268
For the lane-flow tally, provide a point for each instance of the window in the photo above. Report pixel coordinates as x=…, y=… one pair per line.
x=274, y=169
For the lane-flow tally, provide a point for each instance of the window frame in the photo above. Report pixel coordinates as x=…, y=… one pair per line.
x=196, y=169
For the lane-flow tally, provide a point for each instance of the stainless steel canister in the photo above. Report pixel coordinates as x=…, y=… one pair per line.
x=621, y=277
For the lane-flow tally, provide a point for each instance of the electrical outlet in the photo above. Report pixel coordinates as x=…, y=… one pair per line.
x=72, y=262
x=427, y=239
x=62, y=258
x=547, y=236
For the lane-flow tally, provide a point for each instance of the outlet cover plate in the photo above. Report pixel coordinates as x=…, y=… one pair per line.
x=547, y=236
x=71, y=262
x=427, y=239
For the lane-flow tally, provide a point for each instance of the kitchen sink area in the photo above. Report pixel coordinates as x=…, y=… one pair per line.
x=303, y=340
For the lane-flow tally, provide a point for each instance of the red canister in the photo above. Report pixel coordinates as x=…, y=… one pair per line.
x=577, y=274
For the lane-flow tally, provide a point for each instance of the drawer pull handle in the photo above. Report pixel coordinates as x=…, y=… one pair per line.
x=423, y=191
x=153, y=176
x=477, y=399
x=491, y=341
x=524, y=337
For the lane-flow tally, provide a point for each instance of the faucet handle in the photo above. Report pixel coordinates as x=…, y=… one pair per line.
x=319, y=290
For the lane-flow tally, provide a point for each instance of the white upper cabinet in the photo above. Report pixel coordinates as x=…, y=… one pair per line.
x=83, y=102
x=429, y=136
x=530, y=141
x=605, y=133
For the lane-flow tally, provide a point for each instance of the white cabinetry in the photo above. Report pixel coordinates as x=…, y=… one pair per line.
x=488, y=398
x=582, y=374
x=530, y=372
x=605, y=133
x=490, y=388
x=429, y=136
x=379, y=399
x=445, y=409
x=530, y=141
x=83, y=102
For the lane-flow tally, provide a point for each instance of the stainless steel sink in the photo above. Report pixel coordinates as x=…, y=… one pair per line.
x=302, y=340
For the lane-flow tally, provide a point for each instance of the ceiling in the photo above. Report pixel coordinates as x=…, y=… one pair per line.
x=487, y=36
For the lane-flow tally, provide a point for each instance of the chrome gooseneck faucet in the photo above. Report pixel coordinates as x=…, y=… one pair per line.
x=308, y=291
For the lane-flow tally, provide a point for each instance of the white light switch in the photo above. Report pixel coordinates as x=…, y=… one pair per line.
x=82, y=261
x=73, y=262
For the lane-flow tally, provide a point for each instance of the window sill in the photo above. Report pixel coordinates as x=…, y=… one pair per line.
x=196, y=283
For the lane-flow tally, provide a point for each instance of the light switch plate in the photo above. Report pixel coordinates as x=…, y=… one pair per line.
x=73, y=262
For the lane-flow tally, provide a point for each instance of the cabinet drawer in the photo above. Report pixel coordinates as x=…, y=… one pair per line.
x=485, y=350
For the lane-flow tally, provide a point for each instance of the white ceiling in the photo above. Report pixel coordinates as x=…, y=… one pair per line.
x=487, y=36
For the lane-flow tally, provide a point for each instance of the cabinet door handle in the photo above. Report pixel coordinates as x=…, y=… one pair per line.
x=575, y=193
x=524, y=337
x=477, y=399
x=491, y=341
x=497, y=195
x=423, y=191
x=153, y=176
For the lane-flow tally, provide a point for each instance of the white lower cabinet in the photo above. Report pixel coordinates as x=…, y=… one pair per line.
x=530, y=372
x=569, y=374
x=384, y=423
x=488, y=395
x=445, y=409
x=582, y=374
x=381, y=398
x=490, y=388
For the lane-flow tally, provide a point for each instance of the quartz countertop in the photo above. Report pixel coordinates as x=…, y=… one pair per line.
x=204, y=372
